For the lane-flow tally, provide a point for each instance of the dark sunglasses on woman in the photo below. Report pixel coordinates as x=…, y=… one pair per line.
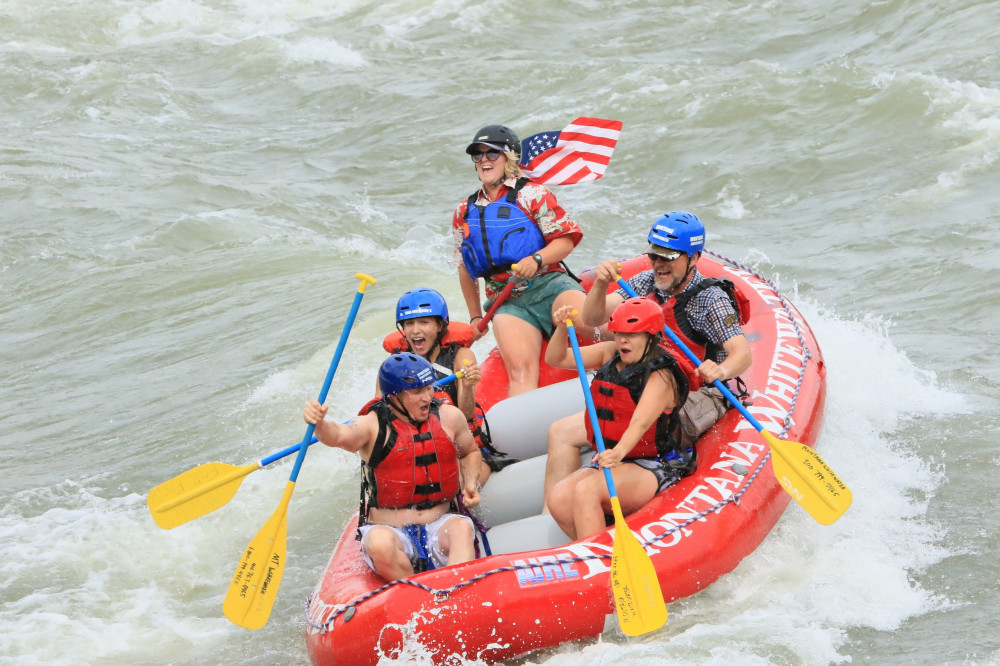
x=491, y=155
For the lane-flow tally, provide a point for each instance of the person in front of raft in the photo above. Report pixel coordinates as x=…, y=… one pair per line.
x=636, y=393
x=705, y=312
x=513, y=227
x=424, y=328
x=417, y=457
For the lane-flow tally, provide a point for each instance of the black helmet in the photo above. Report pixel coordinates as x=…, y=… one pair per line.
x=498, y=137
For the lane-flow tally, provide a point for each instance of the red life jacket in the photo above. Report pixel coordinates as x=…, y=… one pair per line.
x=458, y=332
x=411, y=466
x=616, y=394
x=676, y=317
x=457, y=336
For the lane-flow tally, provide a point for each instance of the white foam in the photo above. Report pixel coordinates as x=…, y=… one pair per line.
x=90, y=579
x=317, y=49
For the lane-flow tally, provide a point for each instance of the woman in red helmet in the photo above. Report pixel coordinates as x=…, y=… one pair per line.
x=637, y=391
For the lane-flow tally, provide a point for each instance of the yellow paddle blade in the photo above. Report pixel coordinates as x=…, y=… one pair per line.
x=637, y=593
x=255, y=584
x=195, y=492
x=808, y=479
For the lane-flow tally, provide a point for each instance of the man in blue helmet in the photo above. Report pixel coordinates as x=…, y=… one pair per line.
x=704, y=312
x=418, y=459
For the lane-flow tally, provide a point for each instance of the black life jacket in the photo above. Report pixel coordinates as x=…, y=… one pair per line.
x=616, y=394
x=675, y=314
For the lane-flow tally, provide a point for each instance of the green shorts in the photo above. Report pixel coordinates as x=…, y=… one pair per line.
x=534, y=304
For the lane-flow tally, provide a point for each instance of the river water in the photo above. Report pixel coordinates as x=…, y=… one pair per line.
x=189, y=186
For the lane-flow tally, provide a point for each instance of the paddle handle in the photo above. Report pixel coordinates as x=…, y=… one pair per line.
x=497, y=302
x=592, y=412
x=449, y=379
x=697, y=361
x=365, y=281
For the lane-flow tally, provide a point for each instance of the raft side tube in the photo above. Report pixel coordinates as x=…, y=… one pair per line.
x=531, y=533
x=519, y=425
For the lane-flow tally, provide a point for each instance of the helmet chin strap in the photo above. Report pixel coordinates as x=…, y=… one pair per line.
x=690, y=269
x=649, y=347
x=687, y=273
x=399, y=407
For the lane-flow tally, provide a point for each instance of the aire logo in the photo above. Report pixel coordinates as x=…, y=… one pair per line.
x=545, y=569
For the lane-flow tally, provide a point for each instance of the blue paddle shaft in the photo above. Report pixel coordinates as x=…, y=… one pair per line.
x=329, y=377
x=591, y=410
x=284, y=452
x=697, y=361
x=446, y=380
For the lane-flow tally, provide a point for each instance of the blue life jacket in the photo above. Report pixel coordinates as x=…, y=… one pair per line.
x=498, y=234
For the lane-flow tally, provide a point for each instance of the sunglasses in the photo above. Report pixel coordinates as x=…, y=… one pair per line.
x=491, y=155
x=653, y=258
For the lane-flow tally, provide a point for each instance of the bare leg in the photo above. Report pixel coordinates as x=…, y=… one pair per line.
x=567, y=437
x=520, y=345
x=386, y=552
x=590, y=496
x=560, y=502
x=581, y=502
x=456, y=541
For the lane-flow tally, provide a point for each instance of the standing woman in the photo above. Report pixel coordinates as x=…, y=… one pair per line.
x=637, y=393
x=510, y=220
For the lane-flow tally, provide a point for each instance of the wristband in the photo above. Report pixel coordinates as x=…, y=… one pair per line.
x=475, y=318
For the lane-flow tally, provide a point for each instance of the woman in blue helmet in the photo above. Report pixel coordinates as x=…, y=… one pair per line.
x=418, y=457
x=512, y=227
x=424, y=328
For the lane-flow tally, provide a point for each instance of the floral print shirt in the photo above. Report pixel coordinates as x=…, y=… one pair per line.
x=540, y=205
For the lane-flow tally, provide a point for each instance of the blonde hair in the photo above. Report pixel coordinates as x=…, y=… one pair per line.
x=511, y=167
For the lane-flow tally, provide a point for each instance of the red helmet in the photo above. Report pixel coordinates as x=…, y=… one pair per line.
x=637, y=315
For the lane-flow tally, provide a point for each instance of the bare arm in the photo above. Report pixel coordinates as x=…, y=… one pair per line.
x=470, y=291
x=559, y=353
x=556, y=250
x=599, y=304
x=465, y=361
x=469, y=458
x=736, y=363
x=356, y=436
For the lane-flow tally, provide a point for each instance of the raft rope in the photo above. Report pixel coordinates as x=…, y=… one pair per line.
x=442, y=595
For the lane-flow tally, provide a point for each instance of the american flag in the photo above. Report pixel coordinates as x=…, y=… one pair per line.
x=579, y=153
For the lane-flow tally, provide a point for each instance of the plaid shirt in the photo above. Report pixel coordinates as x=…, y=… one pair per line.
x=707, y=312
x=540, y=205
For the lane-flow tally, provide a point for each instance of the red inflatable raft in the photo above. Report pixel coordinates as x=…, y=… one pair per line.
x=523, y=597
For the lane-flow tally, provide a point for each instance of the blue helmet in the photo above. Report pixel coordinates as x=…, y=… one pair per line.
x=421, y=303
x=401, y=372
x=679, y=231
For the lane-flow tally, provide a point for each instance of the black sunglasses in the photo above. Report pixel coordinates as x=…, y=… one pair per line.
x=491, y=155
x=653, y=258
